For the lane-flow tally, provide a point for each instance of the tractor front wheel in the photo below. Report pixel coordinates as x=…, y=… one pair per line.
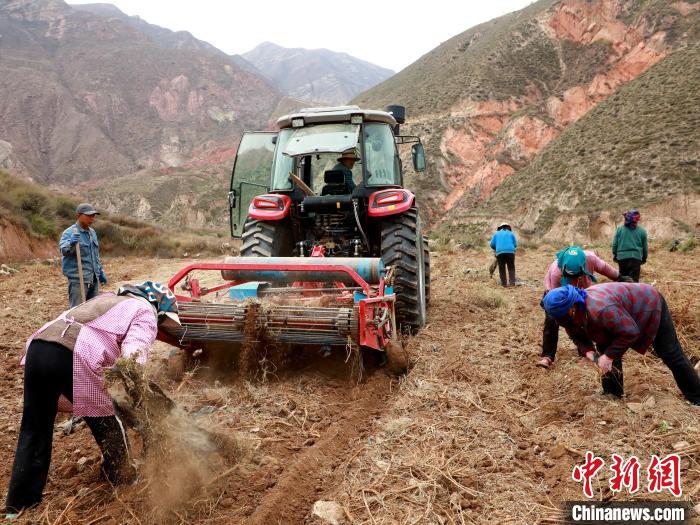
x=403, y=248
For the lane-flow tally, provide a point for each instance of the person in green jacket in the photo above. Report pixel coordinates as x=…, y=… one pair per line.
x=630, y=247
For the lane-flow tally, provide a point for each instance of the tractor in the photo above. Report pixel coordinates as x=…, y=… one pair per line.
x=288, y=199
x=332, y=251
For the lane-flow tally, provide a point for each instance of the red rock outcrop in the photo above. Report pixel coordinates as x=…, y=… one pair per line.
x=494, y=138
x=17, y=245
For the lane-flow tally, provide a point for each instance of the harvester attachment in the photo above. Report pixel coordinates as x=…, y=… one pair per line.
x=299, y=301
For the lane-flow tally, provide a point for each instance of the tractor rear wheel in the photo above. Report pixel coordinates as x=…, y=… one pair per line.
x=267, y=239
x=403, y=248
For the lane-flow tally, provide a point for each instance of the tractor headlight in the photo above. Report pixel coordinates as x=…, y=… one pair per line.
x=298, y=122
x=356, y=119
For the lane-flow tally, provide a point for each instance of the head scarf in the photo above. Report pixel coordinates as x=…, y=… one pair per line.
x=558, y=301
x=572, y=263
x=632, y=218
x=158, y=295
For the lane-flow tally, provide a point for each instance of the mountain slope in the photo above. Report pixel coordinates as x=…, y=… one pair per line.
x=84, y=97
x=638, y=146
x=315, y=74
x=488, y=100
x=160, y=35
x=172, y=197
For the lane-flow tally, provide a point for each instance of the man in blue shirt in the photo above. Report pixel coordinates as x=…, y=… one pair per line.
x=93, y=274
x=504, y=244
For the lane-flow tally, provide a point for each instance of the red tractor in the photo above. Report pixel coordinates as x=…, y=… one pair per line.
x=329, y=182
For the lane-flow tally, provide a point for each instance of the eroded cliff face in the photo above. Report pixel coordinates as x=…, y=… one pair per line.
x=485, y=142
x=17, y=245
x=87, y=97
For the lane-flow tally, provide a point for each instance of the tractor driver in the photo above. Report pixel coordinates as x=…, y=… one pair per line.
x=346, y=162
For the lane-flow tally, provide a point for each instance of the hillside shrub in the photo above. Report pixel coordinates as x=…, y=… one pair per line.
x=45, y=214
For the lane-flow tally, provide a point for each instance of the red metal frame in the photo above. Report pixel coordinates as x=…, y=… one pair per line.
x=375, y=209
x=372, y=335
x=181, y=274
x=376, y=311
x=283, y=202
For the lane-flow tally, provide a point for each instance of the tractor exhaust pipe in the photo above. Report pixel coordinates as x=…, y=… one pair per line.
x=399, y=114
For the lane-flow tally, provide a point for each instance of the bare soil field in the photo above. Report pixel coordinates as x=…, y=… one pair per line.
x=474, y=433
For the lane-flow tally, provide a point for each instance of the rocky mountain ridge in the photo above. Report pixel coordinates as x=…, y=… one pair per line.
x=86, y=97
x=160, y=35
x=315, y=74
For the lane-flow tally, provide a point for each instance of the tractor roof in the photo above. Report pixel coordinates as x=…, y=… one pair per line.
x=337, y=114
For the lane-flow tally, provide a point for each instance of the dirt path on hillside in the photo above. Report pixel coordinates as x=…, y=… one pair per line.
x=474, y=434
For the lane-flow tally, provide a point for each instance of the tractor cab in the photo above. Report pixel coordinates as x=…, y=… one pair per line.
x=331, y=179
x=304, y=157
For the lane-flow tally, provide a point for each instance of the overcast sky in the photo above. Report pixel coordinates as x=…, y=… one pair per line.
x=389, y=33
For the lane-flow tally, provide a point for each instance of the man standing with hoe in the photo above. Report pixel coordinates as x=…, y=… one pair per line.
x=81, y=257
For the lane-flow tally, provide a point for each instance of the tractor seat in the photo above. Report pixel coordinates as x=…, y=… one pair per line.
x=334, y=183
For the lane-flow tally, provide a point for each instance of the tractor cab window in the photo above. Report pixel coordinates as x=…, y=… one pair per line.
x=322, y=138
x=382, y=161
x=318, y=148
x=324, y=183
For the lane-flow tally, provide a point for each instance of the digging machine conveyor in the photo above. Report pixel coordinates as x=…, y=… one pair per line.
x=311, y=301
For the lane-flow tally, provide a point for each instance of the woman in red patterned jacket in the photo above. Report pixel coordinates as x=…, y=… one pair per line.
x=607, y=319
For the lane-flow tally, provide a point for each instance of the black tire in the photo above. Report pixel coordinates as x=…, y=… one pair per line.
x=426, y=264
x=402, y=247
x=267, y=239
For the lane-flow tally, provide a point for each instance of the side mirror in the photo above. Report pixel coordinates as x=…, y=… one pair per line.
x=418, y=157
x=232, y=199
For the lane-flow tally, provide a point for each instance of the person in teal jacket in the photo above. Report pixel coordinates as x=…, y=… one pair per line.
x=630, y=246
x=504, y=244
x=93, y=273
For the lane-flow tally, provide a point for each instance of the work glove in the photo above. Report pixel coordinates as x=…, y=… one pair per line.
x=624, y=279
x=605, y=363
x=591, y=356
x=102, y=277
x=75, y=238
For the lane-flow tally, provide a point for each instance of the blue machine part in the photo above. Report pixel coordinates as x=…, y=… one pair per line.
x=241, y=292
x=358, y=296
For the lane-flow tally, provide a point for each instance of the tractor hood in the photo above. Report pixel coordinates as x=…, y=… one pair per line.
x=322, y=138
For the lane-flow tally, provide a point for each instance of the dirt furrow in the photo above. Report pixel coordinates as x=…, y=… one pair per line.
x=314, y=471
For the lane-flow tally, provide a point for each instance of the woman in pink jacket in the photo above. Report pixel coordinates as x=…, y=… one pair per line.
x=63, y=369
x=576, y=267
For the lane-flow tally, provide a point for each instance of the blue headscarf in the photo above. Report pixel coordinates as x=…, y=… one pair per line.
x=157, y=294
x=558, y=301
